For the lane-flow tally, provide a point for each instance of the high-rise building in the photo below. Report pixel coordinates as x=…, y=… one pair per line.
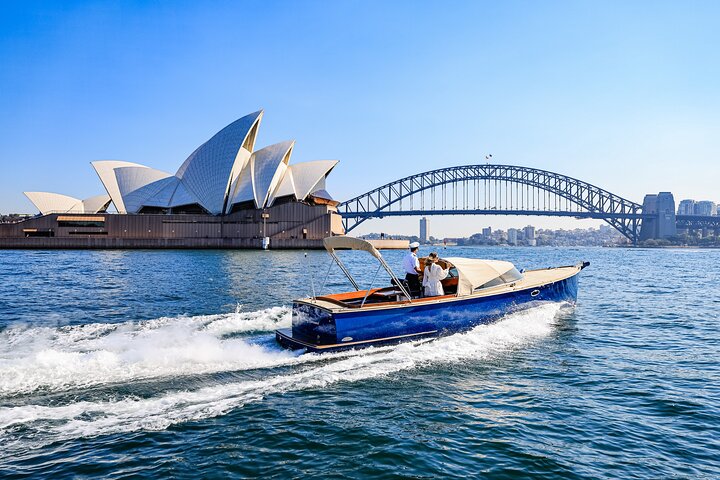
x=530, y=235
x=686, y=207
x=705, y=207
x=424, y=230
x=486, y=232
x=512, y=236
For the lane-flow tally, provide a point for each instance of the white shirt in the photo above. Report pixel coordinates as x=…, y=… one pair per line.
x=410, y=263
x=431, y=280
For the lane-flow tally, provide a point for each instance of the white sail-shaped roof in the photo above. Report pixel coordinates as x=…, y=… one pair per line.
x=220, y=173
x=310, y=176
x=242, y=189
x=260, y=178
x=138, y=184
x=320, y=187
x=302, y=179
x=281, y=172
x=242, y=159
x=322, y=193
x=285, y=187
x=96, y=204
x=106, y=171
x=209, y=170
x=183, y=196
x=48, y=202
x=166, y=193
x=268, y=165
x=164, y=190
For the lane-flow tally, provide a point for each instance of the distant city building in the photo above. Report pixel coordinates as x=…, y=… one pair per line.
x=487, y=232
x=424, y=230
x=702, y=207
x=686, y=207
x=705, y=207
x=530, y=235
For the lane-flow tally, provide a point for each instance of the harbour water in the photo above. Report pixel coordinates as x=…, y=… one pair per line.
x=162, y=363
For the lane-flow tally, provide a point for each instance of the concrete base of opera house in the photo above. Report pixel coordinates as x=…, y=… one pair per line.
x=289, y=226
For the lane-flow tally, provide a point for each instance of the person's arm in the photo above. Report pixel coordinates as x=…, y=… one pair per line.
x=443, y=273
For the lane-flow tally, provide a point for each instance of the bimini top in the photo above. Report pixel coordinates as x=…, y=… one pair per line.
x=342, y=242
x=475, y=273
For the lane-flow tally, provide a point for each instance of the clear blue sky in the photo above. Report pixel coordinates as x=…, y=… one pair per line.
x=623, y=94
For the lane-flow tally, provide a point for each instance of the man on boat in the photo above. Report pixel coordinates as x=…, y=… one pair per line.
x=411, y=265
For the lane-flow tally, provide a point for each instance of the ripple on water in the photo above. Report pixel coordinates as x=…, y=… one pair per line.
x=148, y=377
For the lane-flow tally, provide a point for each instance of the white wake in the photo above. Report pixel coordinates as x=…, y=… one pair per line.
x=91, y=418
x=56, y=359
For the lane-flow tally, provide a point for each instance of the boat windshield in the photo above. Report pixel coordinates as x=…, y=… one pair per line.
x=510, y=276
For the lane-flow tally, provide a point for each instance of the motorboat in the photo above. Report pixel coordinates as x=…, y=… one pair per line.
x=475, y=292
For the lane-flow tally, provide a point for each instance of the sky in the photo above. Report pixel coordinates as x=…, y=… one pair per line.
x=622, y=94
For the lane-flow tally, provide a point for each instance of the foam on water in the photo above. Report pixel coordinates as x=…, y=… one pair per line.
x=57, y=359
x=91, y=418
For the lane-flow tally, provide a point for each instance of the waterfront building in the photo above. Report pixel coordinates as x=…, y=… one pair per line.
x=225, y=194
x=512, y=234
x=686, y=207
x=530, y=235
x=705, y=208
x=424, y=235
x=487, y=232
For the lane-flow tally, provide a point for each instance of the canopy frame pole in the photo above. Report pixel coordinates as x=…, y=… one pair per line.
x=345, y=270
x=370, y=287
x=393, y=277
x=330, y=264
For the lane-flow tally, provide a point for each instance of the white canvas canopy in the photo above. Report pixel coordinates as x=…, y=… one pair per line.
x=474, y=273
x=341, y=242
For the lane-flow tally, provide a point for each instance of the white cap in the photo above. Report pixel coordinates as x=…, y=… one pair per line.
x=414, y=245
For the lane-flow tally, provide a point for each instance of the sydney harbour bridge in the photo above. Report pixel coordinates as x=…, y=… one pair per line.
x=514, y=190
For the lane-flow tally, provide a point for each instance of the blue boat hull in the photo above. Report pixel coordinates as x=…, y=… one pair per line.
x=317, y=329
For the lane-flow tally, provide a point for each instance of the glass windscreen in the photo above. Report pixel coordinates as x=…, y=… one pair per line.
x=510, y=276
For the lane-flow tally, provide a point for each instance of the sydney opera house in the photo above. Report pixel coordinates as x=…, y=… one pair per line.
x=225, y=194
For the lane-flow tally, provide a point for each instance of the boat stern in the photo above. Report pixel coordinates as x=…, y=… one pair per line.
x=312, y=325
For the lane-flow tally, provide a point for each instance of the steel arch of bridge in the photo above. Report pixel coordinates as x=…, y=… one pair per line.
x=589, y=200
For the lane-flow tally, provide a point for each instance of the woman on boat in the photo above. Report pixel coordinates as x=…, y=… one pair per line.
x=432, y=276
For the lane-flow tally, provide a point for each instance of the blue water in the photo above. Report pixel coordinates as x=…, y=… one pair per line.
x=152, y=364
